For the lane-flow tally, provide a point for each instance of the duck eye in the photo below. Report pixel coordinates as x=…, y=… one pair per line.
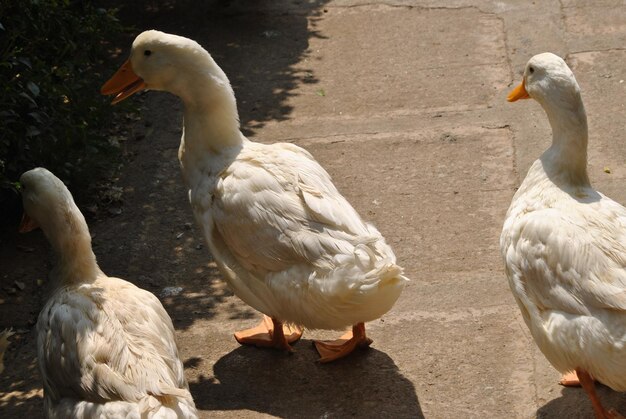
x=531, y=70
x=147, y=53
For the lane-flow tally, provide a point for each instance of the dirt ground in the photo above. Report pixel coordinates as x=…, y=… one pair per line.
x=403, y=102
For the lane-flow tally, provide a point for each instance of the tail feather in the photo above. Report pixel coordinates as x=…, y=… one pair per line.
x=149, y=407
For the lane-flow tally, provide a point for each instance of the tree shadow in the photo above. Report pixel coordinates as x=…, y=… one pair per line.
x=255, y=43
x=23, y=273
x=366, y=384
x=575, y=404
x=20, y=384
x=150, y=238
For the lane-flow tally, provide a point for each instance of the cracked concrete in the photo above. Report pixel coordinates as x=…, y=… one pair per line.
x=404, y=103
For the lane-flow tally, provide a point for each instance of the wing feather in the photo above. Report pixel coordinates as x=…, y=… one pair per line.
x=284, y=210
x=106, y=344
x=573, y=260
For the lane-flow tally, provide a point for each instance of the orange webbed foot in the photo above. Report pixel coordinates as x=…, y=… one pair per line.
x=570, y=379
x=331, y=350
x=270, y=333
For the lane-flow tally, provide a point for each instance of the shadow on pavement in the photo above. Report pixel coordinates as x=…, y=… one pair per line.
x=574, y=403
x=366, y=384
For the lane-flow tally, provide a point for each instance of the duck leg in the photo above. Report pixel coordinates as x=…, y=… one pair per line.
x=270, y=333
x=570, y=379
x=589, y=386
x=330, y=350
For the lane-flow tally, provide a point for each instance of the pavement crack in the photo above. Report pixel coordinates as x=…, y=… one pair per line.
x=586, y=51
x=562, y=19
x=509, y=61
x=514, y=167
x=410, y=7
x=500, y=126
x=325, y=137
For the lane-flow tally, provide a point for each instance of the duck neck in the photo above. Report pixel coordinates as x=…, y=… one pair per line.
x=76, y=262
x=211, y=121
x=567, y=156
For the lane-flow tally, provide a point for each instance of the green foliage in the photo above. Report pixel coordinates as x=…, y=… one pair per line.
x=51, y=110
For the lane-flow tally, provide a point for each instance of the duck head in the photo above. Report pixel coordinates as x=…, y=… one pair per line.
x=47, y=203
x=548, y=80
x=162, y=61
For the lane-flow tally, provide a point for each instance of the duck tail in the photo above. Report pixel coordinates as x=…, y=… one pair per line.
x=377, y=261
x=177, y=404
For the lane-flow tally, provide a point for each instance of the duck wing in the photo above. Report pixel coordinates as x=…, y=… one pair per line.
x=103, y=345
x=276, y=206
x=572, y=259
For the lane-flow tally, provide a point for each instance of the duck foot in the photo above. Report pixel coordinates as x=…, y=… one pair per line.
x=331, y=350
x=570, y=379
x=587, y=382
x=270, y=333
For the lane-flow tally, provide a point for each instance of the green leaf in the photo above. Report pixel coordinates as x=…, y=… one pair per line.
x=30, y=99
x=34, y=89
x=25, y=61
x=51, y=49
x=32, y=131
x=36, y=116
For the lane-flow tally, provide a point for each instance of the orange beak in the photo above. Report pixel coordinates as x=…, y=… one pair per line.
x=27, y=224
x=123, y=83
x=518, y=93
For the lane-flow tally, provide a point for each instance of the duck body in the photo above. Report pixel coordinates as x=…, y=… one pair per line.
x=565, y=256
x=105, y=348
x=288, y=243
x=564, y=243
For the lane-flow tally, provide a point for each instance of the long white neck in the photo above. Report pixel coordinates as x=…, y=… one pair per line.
x=566, y=159
x=211, y=126
x=71, y=242
x=211, y=121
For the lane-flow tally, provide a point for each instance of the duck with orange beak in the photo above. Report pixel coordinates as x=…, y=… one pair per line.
x=286, y=241
x=564, y=244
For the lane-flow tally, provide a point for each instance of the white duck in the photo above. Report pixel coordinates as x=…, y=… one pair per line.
x=564, y=243
x=287, y=242
x=105, y=347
